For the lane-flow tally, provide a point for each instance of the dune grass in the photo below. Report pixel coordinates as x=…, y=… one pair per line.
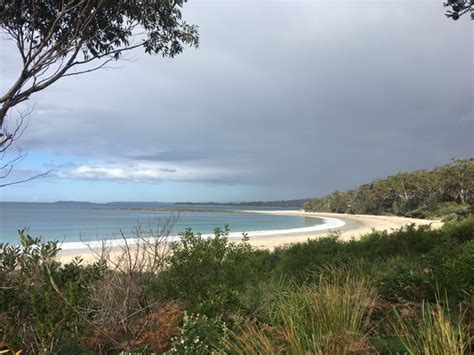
x=434, y=332
x=332, y=316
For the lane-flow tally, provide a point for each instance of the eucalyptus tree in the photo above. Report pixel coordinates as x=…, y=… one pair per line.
x=61, y=38
x=458, y=8
x=441, y=191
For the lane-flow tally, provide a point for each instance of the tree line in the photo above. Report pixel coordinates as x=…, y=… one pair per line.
x=445, y=191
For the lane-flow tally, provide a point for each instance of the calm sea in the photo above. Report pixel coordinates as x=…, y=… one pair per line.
x=71, y=222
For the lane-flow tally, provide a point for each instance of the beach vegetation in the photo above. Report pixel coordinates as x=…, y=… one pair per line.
x=433, y=332
x=444, y=192
x=199, y=334
x=330, y=316
x=408, y=291
x=207, y=274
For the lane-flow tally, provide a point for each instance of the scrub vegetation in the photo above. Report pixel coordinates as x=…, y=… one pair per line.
x=407, y=291
x=446, y=192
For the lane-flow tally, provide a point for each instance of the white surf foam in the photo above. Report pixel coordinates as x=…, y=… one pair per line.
x=328, y=224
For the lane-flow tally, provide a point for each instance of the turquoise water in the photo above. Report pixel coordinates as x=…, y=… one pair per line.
x=71, y=222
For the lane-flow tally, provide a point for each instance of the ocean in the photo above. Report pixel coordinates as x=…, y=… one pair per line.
x=70, y=222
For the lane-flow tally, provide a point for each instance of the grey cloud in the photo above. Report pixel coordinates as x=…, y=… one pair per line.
x=175, y=155
x=306, y=97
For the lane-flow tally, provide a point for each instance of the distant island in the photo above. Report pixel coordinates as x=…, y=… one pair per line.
x=166, y=205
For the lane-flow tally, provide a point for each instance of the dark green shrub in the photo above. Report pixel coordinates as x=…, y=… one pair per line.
x=38, y=296
x=412, y=263
x=263, y=262
x=448, y=270
x=207, y=274
x=406, y=241
x=403, y=280
x=452, y=270
x=297, y=260
x=461, y=231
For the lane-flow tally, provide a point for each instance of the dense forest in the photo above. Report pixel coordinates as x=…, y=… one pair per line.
x=446, y=191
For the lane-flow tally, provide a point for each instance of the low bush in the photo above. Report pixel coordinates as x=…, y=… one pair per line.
x=296, y=260
x=412, y=263
x=207, y=274
x=39, y=298
x=199, y=335
x=407, y=241
x=461, y=231
x=452, y=270
x=403, y=280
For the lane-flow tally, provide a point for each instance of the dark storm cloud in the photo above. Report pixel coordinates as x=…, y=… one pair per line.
x=303, y=96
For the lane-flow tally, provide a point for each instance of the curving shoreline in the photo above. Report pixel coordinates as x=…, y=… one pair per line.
x=355, y=225
x=349, y=226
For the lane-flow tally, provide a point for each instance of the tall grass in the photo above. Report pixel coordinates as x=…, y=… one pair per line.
x=330, y=317
x=434, y=333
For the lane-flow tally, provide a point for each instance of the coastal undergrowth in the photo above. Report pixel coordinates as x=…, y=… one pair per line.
x=408, y=290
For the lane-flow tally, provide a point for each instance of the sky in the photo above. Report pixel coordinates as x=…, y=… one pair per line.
x=282, y=100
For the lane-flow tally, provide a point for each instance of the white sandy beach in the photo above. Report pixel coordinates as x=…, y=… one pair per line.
x=355, y=226
x=350, y=226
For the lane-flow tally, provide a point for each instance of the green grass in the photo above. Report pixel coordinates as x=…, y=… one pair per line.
x=332, y=316
x=434, y=332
